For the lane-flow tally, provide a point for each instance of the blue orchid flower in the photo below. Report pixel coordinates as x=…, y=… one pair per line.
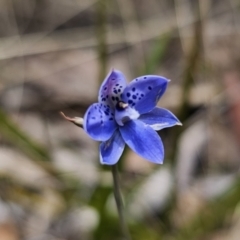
x=127, y=114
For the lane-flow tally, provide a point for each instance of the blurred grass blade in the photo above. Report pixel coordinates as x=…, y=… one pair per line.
x=212, y=217
x=13, y=134
x=156, y=56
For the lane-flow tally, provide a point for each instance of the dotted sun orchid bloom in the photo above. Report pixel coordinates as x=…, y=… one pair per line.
x=128, y=114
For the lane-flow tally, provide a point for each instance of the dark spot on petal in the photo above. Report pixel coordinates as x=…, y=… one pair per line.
x=115, y=91
x=134, y=96
x=93, y=118
x=133, y=104
x=136, y=79
x=128, y=94
x=113, y=79
x=113, y=98
x=121, y=86
x=110, y=119
x=119, y=90
x=145, y=78
x=117, y=84
x=130, y=101
x=102, y=122
x=133, y=89
x=105, y=88
x=121, y=95
x=149, y=87
x=104, y=99
x=142, y=95
x=107, y=96
x=139, y=98
x=106, y=112
x=117, y=99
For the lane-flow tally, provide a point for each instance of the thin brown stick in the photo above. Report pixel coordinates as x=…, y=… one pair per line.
x=75, y=120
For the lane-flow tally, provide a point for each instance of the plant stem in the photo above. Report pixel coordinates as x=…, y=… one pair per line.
x=101, y=34
x=119, y=202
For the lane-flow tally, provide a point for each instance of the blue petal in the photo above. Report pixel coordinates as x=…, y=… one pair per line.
x=111, y=150
x=144, y=92
x=143, y=140
x=99, y=122
x=159, y=118
x=111, y=88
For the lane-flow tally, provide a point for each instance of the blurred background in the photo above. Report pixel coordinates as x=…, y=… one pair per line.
x=54, y=54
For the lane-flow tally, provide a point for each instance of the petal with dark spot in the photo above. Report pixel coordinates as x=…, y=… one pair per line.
x=98, y=123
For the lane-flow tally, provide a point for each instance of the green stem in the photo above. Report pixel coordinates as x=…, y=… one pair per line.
x=119, y=202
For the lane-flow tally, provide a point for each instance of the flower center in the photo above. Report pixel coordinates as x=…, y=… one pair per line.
x=124, y=113
x=120, y=106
